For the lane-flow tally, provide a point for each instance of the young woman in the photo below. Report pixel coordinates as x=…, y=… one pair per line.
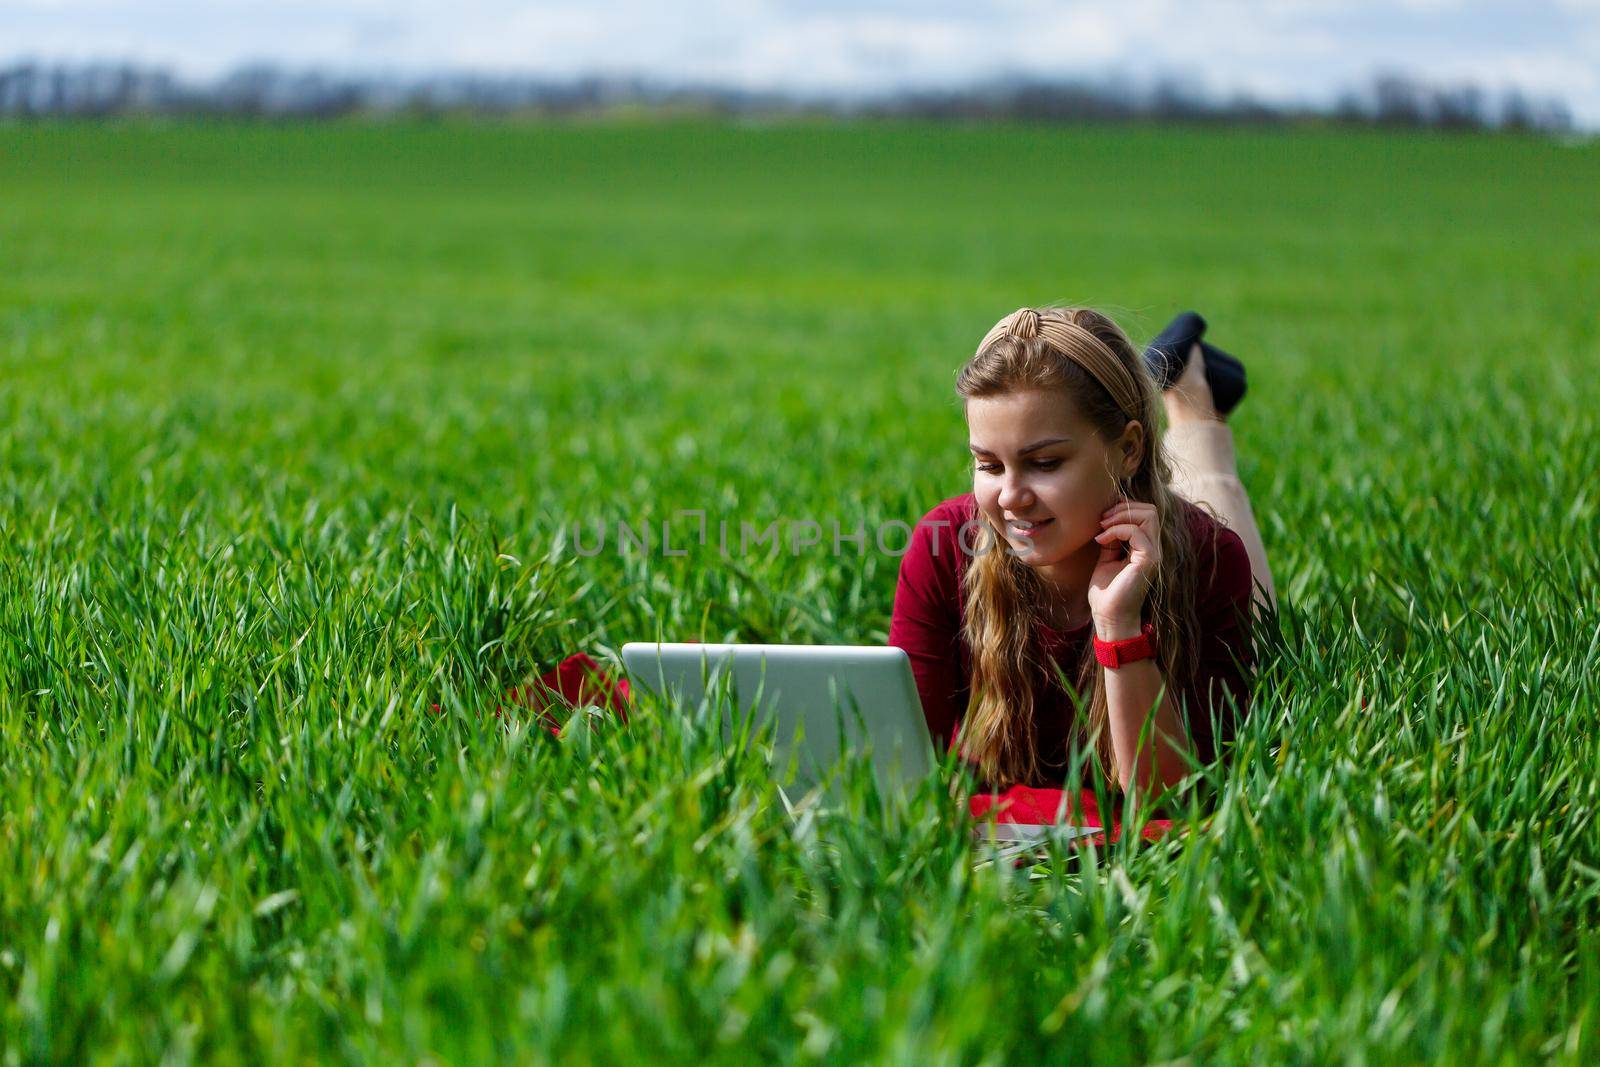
x=1085, y=553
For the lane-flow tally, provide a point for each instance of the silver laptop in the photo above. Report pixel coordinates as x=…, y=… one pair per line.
x=822, y=696
x=821, y=699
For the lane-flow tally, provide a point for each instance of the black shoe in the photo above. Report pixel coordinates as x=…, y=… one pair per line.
x=1169, y=350
x=1225, y=375
x=1168, y=353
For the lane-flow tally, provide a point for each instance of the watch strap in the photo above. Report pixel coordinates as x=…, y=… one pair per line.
x=1115, y=654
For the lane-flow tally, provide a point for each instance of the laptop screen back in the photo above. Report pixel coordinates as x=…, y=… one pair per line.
x=832, y=697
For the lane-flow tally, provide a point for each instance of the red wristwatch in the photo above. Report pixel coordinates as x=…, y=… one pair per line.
x=1114, y=654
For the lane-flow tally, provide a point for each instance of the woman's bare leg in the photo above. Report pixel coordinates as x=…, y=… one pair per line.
x=1199, y=448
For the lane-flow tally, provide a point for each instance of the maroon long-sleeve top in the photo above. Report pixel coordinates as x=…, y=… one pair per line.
x=928, y=606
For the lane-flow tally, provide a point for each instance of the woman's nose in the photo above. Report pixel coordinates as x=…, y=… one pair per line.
x=1015, y=495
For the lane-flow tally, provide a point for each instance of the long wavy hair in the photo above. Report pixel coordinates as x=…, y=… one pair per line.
x=1086, y=358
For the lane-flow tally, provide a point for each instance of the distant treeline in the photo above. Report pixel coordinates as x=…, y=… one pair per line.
x=35, y=90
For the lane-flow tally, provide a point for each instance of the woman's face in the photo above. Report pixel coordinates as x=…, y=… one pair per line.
x=1036, y=460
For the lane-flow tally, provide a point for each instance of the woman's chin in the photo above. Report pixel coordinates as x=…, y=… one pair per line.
x=1046, y=548
x=1035, y=551
x=1045, y=552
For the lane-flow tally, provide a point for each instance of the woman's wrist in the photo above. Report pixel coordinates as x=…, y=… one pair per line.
x=1115, y=653
x=1117, y=629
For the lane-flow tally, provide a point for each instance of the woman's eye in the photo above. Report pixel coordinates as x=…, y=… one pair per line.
x=1043, y=465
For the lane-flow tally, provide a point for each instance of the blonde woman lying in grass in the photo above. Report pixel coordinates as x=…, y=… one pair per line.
x=1094, y=550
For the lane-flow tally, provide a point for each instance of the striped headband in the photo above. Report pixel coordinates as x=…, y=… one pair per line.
x=1058, y=331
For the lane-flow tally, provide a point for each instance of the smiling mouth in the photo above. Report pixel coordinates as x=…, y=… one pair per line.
x=1028, y=527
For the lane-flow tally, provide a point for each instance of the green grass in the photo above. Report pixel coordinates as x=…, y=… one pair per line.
x=290, y=421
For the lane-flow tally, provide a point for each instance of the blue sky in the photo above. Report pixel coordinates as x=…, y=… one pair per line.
x=1284, y=49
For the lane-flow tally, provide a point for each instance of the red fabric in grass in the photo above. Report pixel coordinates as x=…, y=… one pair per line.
x=1028, y=806
x=574, y=682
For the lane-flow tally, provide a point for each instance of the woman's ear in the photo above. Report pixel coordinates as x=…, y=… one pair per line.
x=1130, y=448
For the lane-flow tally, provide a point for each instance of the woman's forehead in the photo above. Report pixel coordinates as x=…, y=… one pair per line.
x=1016, y=420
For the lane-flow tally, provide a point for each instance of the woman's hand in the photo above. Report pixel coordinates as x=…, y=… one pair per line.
x=1130, y=549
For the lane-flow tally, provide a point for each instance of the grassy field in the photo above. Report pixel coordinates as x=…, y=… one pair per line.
x=292, y=422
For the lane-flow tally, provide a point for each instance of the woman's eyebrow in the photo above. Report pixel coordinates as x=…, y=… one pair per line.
x=1047, y=442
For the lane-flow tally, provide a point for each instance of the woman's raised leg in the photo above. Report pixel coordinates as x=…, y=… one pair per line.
x=1199, y=447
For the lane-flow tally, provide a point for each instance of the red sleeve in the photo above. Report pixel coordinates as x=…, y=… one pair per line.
x=1218, y=699
x=927, y=623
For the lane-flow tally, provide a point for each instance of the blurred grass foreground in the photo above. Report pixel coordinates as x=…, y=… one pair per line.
x=295, y=426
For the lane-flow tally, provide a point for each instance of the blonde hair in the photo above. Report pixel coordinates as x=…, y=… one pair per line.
x=1086, y=357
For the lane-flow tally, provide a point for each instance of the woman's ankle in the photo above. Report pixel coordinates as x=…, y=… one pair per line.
x=1188, y=399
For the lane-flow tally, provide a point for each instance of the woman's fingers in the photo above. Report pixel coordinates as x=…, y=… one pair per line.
x=1141, y=515
x=1134, y=534
x=1123, y=531
x=1130, y=512
x=1134, y=522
